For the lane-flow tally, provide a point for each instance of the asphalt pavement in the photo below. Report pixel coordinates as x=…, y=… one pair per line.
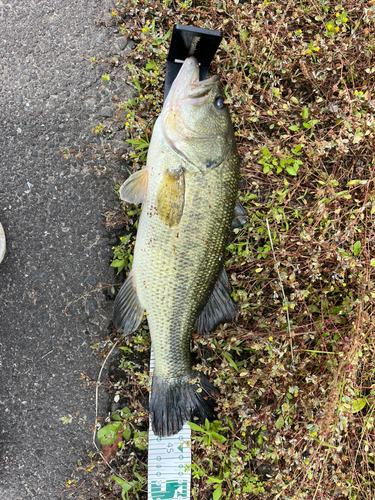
x=53, y=188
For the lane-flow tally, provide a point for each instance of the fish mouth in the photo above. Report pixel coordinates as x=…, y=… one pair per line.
x=187, y=85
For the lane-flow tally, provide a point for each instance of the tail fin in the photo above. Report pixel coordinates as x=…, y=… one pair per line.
x=176, y=401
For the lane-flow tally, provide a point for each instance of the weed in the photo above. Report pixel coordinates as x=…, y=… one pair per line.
x=122, y=255
x=287, y=161
x=130, y=487
x=140, y=148
x=299, y=80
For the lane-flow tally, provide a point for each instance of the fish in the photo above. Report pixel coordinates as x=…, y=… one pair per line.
x=188, y=191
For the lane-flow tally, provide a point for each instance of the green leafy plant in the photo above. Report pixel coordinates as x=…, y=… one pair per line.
x=210, y=431
x=108, y=434
x=130, y=486
x=122, y=254
x=286, y=161
x=121, y=423
x=140, y=148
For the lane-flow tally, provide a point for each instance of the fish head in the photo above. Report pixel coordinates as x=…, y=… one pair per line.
x=195, y=119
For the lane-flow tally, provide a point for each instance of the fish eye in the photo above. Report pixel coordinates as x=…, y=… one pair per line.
x=219, y=102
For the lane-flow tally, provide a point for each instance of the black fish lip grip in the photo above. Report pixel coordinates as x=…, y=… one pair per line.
x=190, y=41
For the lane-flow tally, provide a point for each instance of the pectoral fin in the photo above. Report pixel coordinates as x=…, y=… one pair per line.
x=171, y=197
x=134, y=188
x=220, y=307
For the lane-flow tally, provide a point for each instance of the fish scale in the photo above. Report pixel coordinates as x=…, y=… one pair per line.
x=171, y=297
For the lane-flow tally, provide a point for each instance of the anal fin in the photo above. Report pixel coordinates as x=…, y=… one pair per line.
x=171, y=197
x=220, y=307
x=127, y=311
x=134, y=188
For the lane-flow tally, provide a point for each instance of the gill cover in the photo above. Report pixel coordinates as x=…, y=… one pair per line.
x=192, y=121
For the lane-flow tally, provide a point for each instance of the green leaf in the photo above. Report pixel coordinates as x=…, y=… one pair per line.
x=356, y=247
x=218, y=437
x=124, y=485
x=139, y=143
x=266, y=169
x=292, y=170
x=279, y=422
x=359, y=404
x=230, y=361
x=218, y=493
x=372, y=262
x=239, y=445
x=294, y=128
x=151, y=65
x=117, y=263
x=195, y=427
x=212, y=480
x=356, y=181
x=139, y=439
x=265, y=152
x=120, y=266
x=342, y=251
x=126, y=349
x=109, y=433
x=310, y=124
x=126, y=433
x=305, y=113
x=230, y=423
x=137, y=84
x=297, y=149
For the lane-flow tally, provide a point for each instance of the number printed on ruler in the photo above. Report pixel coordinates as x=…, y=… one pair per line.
x=168, y=462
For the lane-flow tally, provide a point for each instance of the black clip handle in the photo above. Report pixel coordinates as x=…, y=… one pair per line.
x=190, y=41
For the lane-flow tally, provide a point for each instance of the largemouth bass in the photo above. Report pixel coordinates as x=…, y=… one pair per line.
x=188, y=191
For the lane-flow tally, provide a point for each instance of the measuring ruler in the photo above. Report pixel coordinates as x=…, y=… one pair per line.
x=168, y=459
